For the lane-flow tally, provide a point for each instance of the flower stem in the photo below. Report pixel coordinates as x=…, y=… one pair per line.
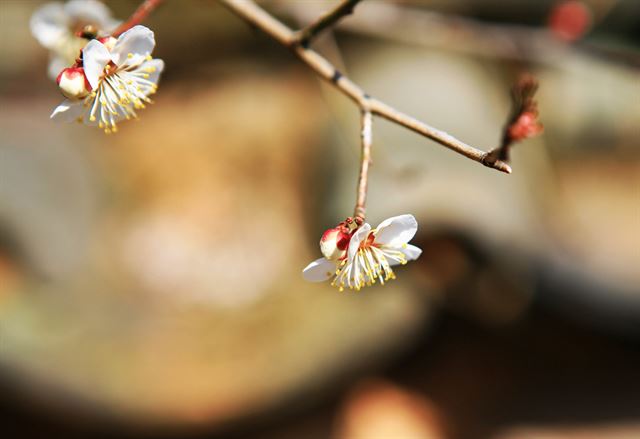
x=366, y=138
x=137, y=17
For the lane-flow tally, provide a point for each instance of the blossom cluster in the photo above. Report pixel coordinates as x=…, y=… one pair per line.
x=104, y=79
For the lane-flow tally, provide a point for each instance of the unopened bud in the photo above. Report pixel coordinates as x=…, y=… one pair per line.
x=73, y=83
x=334, y=243
x=570, y=20
x=525, y=126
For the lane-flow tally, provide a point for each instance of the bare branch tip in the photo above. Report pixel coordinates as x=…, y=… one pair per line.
x=504, y=168
x=304, y=36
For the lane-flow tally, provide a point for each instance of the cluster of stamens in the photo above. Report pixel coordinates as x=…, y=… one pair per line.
x=122, y=91
x=369, y=265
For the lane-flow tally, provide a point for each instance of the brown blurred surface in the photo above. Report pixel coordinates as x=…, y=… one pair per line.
x=543, y=371
x=150, y=281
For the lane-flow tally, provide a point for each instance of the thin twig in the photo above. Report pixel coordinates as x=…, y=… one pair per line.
x=137, y=17
x=258, y=17
x=381, y=109
x=366, y=139
x=345, y=7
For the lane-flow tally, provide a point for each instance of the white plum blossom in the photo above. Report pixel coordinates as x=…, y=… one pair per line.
x=59, y=26
x=357, y=256
x=120, y=75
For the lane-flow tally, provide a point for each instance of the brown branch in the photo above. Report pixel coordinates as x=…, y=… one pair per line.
x=258, y=17
x=137, y=17
x=345, y=7
x=366, y=139
x=386, y=111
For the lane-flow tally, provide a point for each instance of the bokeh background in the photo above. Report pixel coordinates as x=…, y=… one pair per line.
x=150, y=281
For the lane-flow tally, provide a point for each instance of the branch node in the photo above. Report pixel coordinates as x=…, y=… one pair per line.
x=336, y=76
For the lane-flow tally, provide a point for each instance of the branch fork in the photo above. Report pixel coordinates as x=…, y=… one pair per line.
x=299, y=43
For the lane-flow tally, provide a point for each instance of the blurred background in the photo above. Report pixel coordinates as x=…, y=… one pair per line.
x=150, y=281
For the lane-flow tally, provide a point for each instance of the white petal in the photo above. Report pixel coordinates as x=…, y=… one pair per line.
x=356, y=239
x=56, y=64
x=49, y=24
x=89, y=11
x=68, y=111
x=411, y=252
x=396, y=230
x=138, y=41
x=319, y=270
x=156, y=64
x=95, y=57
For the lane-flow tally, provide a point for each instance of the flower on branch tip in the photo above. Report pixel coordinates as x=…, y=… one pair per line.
x=355, y=255
x=119, y=76
x=65, y=28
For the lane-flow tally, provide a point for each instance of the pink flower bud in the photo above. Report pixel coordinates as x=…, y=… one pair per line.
x=570, y=20
x=73, y=83
x=334, y=243
x=525, y=126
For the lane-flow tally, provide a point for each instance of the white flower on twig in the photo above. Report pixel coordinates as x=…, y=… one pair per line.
x=357, y=256
x=118, y=77
x=59, y=27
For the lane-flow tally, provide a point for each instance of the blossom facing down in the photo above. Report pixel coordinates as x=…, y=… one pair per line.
x=120, y=75
x=59, y=28
x=367, y=256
